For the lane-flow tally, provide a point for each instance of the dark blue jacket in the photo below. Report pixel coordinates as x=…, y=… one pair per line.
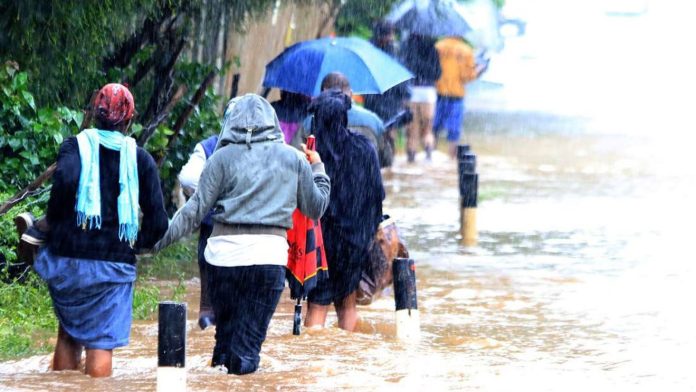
x=69, y=240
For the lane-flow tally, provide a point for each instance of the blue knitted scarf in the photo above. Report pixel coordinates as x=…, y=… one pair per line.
x=88, y=206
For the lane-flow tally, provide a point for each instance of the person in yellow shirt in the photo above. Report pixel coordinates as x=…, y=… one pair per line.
x=458, y=69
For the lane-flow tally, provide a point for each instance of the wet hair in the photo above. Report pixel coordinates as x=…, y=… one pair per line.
x=382, y=28
x=331, y=105
x=335, y=80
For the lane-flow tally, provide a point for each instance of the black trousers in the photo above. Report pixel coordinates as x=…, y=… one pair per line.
x=244, y=300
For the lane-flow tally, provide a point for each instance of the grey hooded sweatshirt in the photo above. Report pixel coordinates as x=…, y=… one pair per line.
x=253, y=181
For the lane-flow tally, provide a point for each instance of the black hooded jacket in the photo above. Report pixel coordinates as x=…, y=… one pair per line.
x=355, y=206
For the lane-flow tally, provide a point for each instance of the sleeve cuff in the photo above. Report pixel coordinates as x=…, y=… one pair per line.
x=318, y=168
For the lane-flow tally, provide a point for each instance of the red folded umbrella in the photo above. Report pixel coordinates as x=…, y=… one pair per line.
x=306, y=257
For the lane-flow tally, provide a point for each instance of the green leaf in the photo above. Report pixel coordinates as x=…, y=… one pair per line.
x=20, y=80
x=45, y=114
x=30, y=157
x=136, y=129
x=10, y=70
x=29, y=99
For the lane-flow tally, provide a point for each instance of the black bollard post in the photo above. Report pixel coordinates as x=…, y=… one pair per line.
x=297, y=319
x=171, y=347
x=468, y=194
x=405, y=298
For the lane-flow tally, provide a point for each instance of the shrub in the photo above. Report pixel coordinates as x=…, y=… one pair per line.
x=29, y=136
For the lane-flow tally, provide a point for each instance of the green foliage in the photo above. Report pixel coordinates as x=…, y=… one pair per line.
x=178, y=261
x=61, y=43
x=499, y=3
x=26, y=318
x=357, y=17
x=29, y=141
x=29, y=136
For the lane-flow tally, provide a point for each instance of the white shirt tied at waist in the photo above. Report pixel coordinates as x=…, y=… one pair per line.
x=246, y=249
x=423, y=94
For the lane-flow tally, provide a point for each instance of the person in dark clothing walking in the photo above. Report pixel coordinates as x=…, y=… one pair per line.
x=101, y=183
x=354, y=212
x=421, y=58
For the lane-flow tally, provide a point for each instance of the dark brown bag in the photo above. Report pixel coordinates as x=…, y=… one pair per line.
x=386, y=246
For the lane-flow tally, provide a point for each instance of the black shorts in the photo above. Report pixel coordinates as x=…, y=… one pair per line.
x=346, y=264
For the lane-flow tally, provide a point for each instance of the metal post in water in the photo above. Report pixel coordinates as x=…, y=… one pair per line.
x=171, y=347
x=407, y=317
x=468, y=194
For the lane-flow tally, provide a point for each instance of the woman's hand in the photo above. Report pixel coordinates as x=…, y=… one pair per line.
x=312, y=156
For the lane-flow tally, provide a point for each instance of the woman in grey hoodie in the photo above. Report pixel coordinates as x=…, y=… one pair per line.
x=253, y=183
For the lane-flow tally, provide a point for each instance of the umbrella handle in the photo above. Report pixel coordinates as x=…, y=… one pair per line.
x=297, y=320
x=311, y=142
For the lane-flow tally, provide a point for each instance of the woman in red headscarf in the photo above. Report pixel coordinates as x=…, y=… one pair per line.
x=102, y=183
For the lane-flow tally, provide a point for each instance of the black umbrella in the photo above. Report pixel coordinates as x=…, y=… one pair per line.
x=432, y=18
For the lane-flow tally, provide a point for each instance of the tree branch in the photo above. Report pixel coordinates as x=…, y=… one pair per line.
x=183, y=117
x=150, y=128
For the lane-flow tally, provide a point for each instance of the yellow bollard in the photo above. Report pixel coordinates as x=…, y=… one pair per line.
x=468, y=194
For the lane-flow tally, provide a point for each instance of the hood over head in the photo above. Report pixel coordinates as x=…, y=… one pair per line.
x=330, y=122
x=249, y=119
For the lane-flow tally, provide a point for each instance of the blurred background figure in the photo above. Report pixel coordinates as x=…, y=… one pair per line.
x=421, y=58
x=395, y=100
x=458, y=69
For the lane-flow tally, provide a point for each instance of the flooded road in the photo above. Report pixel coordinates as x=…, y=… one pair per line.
x=582, y=278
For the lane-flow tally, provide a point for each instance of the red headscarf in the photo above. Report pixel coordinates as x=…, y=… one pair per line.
x=114, y=104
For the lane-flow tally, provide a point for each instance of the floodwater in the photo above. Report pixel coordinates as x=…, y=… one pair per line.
x=583, y=275
x=581, y=279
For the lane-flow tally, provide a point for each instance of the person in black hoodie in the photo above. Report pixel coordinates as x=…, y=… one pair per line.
x=89, y=259
x=421, y=58
x=354, y=212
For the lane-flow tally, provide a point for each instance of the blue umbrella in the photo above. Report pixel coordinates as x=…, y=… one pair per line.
x=433, y=18
x=302, y=66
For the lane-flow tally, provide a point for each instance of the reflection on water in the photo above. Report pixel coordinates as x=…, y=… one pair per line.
x=581, y=279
